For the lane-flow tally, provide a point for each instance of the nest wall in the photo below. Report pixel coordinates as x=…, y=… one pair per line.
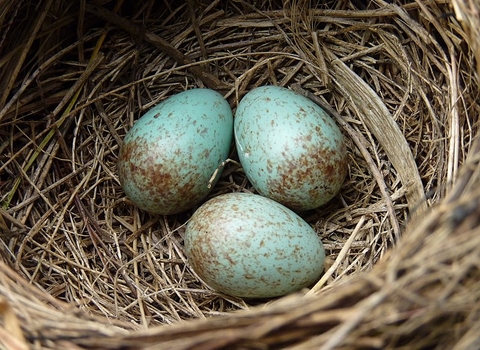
x=82, y=267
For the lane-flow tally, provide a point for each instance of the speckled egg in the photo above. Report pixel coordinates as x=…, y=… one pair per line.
x=250, y=246
x=290, y=149
x=172, y=151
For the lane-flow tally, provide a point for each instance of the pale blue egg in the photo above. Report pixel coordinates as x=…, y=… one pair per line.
x=250, y=246
x=172, y=151
x=290, y=149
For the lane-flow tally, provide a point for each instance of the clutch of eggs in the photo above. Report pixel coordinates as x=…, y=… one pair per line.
x=172, y=151
x=240, y=244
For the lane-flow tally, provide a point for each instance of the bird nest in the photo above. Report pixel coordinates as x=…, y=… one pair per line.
x=81, y=267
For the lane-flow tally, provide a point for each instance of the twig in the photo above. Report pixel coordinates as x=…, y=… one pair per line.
x=339, y=259
x=208, y=79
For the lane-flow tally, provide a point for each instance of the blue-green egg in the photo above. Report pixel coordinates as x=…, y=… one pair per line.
x=172, y=151
x=249, y=246
x=290, y=149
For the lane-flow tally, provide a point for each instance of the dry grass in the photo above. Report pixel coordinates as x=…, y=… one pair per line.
x=82, y=267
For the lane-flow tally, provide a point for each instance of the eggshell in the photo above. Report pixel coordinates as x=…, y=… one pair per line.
x=250, y=246
x=169, y=155
x=290, y=149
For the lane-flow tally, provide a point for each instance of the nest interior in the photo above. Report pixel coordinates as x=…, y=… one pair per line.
x=83, y=267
